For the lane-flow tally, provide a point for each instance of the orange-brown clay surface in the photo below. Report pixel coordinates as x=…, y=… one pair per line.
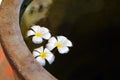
x=6, y=72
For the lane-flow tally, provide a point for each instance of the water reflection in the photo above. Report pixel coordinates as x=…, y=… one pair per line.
x=93, y=27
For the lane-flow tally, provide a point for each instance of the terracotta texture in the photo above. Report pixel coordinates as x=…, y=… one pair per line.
x=14, y=46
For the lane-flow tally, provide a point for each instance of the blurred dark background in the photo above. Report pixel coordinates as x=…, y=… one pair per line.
x=94, y=28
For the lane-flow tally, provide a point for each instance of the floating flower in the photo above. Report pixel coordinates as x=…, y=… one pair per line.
x=41, y=55
x=62, y=44
x=38, y=33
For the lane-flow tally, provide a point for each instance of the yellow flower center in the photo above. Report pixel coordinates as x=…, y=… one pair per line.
x=58, y=45
x=43, y=55
x=38, y=34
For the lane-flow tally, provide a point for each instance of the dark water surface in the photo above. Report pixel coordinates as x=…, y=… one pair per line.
x=94, y=28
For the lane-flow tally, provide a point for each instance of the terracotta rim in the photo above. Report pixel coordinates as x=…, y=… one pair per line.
x=14, y=45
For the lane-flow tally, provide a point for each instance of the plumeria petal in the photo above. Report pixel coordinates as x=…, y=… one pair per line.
x=44, y=30
x=47, y=36
x=50, y=46
x=50, y=57
x=41, y=61
x=40, y=49
x=68, y=43
x=61, y=38
x=36, y=28
x=63, y=50
x=37, y=40
x=52, y=40
x=35, y=53
x=30, y=33
x=0, y=2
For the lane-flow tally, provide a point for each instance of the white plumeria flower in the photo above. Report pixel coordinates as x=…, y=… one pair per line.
x=62, y=44
x=41, y=54
x=38, y=33
x=0, y=2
